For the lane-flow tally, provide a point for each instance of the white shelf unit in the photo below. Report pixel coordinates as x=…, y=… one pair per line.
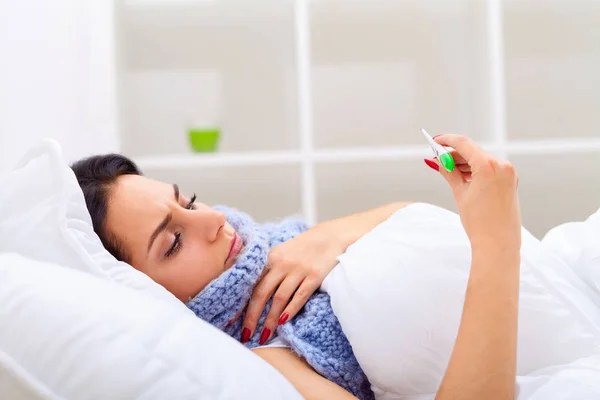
x=321, y=100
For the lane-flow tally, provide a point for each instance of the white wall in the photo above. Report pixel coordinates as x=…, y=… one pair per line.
x=421, y=63
x=56, y=76
x=381, y=70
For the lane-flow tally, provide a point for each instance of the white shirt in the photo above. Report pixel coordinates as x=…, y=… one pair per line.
x=275, y=342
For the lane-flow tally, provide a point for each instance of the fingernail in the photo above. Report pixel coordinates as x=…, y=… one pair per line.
x=284, y=317
x=264, y=336
x=245, y=335
x=432, y=165
x=436, y=136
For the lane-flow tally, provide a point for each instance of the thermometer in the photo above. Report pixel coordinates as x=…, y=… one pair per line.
x=443, y=155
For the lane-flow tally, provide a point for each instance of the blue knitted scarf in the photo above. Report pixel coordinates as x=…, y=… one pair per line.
x=315, y=333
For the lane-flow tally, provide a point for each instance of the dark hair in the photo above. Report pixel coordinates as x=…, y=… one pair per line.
x=95, y=176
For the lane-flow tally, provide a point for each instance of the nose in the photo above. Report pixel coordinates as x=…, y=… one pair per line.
x=207, y=223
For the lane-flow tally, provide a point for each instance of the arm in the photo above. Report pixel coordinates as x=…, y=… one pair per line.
x=298, y=267
x=483, y=362
x=484, y=358
x=347, y=230
x=311, y=385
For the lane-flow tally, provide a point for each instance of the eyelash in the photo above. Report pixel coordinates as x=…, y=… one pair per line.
x=191, y=205
x=177, y=241
x=175, y=246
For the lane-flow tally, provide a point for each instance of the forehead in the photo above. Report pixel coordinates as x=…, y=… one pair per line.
x=135, y=187
x=136, y=205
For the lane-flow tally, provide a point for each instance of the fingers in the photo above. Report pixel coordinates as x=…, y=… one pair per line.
x=456, y=179
x=458, y=159
x=464, y=168
x=261, y=294
x=280, y=300
x=465, y=147
x=306, y=289
x=461, y=164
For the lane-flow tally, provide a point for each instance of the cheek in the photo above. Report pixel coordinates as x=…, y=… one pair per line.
x=196, y=268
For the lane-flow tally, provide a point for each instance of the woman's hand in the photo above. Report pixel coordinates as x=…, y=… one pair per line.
x=297, y=267
x=485, y=189
x=295, y=270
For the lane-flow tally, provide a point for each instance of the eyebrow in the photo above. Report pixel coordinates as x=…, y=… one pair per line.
x=165, y=222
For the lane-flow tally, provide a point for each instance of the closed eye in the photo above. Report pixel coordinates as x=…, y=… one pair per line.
x=191, y=205
x=175, y=246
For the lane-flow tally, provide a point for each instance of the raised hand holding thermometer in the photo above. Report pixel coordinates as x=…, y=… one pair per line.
x=443, y=155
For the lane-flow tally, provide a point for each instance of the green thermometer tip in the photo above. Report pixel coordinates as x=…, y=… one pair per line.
x=447, y=161
x=441, y=153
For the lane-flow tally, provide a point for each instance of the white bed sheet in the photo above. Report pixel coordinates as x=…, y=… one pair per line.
x=399, y=292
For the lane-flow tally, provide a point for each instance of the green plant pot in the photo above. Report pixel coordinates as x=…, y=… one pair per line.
x=204, y=140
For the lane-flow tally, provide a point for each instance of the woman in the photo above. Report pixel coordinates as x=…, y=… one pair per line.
x=184, y=245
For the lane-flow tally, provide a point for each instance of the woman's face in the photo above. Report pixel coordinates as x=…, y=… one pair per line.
x=180, y=244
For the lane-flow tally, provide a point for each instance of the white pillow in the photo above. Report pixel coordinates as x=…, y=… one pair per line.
x=577, y=244
x=61, y=321
x=399, y=291
x=43, y=216
x=67, y=334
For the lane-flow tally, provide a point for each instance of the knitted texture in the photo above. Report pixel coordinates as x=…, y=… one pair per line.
x=315, y=333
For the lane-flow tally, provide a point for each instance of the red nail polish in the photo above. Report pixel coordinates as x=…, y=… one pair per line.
x=264, y=336
x=284, y=317
x=436, y=136
x=432, y=165
x=245, y=335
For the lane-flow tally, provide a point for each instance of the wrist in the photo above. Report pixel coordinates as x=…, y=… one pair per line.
x=496, y=250
x=500, y=241
x=340, y=232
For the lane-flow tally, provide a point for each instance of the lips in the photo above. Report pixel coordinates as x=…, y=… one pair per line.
x=236, y=246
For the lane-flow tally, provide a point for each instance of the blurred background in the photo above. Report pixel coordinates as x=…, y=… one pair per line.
x=283, y=107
